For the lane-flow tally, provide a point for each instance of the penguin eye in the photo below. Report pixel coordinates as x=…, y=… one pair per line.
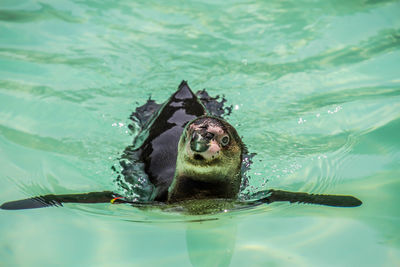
x=225, y=140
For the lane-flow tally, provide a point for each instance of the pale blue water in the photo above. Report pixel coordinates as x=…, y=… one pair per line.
x=315, y=87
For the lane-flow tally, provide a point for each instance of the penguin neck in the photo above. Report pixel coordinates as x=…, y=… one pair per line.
x=188, y=188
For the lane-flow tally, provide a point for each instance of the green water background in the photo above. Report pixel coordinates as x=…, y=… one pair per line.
x=315, y=90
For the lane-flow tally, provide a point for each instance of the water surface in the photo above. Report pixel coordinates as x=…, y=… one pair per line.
x=315, y=90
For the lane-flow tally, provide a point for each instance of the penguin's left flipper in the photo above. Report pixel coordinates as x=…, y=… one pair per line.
x=300, y=197
x=57, y=200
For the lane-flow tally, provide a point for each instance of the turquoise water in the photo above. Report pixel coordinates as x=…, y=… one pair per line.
x=315, y=90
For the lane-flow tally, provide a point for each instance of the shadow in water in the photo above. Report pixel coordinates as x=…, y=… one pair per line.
x=211, y=243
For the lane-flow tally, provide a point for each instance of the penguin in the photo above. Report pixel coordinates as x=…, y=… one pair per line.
x=190, y=157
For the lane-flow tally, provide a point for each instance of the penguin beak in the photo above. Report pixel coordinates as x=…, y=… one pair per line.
x=200, y=141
